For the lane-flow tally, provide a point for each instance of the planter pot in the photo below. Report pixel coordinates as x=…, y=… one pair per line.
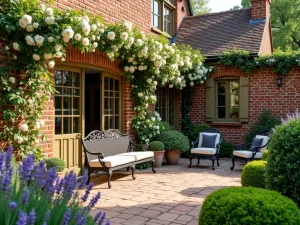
x=60, y=174
x=173, y=156
x=158, y=158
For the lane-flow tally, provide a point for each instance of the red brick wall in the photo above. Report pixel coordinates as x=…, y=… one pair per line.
x=260, y=8
x=263, y=94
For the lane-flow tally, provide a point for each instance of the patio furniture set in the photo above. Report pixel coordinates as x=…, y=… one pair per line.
x=109, y=150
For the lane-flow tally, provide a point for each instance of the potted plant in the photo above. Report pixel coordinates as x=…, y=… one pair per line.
x=58, y=163
x=158, y=149
x=175, y=143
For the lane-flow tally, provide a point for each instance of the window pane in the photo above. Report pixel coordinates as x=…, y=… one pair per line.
x=67, y=106
x=221, y=113
x=116, y=106
x=221, y=87
x=168, y=21
x=106, y=109
x=58, y=105
x=155, y=7
x=234, y=94
x=67, y=91
x=234, y=113
x=58, y=91
x=76, y=103
x=67, y=125
x=155, y=21
x=76, y=91
x=67, y=79
x=58, y=78
x=116, y=85
x=106, y=83
x=221, y=100
x=76, y=82
x=106, y=123
x=117, y=122
x=76, y=125
x=58, y=121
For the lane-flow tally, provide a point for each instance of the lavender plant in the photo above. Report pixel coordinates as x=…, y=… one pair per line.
x=33, y=195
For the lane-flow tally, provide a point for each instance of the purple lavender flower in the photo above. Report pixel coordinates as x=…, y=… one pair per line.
x=38, y=173
x=69, y=185
x=97, y=216
x=107, y=222
x=9, y=157
x=2, y=163
x=83, y=181
x=59, y=185
x=25, y=196
x=82, y=220
x=47, y=216
x=22, y=218
x=7, y=179
x=87, y=192
x=31, y=218
x=94, y=200
x=12, y=206
x=100, y=221
x=51, y=177
x=26, y=167
x=67, y=217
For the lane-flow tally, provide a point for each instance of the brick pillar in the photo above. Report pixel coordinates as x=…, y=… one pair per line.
x=128, y=110
x=260, y=9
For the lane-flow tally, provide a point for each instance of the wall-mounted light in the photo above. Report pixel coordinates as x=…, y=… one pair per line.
x=279, y=81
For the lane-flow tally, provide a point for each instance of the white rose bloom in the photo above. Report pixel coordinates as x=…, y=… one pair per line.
x=12, y=80
x=19, y=140
x=140, y=94
x=178, y=80
x=77, y=37
x=22, y=23
x=124, y=36
x=140, y=68
x=101, y=31
x=36, y=57
x=158, y=63
x=58, y=54
x=15, y=57
x=98, y=38
x=86, y=18
x=37, y=125
x=24, y=127
x=51, y=64
x=50, y=39
x=115, y=48
x=110, y=54
x=155, y=83
x=131, y=69
x=50, y=20
x=27, y=19
x=16, y=46
x=57, y=47
x=94, y=27
x=128, y=25
x=69, y=32
x=42, y=122
x=49, y=11
x=29, y=28
x=93, y=37
x=111, y=35
x=139, y=42
x=85, y=41
x=130, y=59
x=192, y=83
x=126, y=68
x=130, y=41
x=47, y=55
x=39, y=40
x=63, y=59
x=66, y=39
x=6, y=48
x=95, y=44
x=171, y=86
x=42, y=7
x=35, y=25
x=86, y=29
x=36, y=141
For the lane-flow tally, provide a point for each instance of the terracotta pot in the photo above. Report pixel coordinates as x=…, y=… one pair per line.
x=173, y=156
x=158, y=158
x=60, y=174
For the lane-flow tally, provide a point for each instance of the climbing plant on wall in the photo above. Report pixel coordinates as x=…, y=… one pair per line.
x=36, y=36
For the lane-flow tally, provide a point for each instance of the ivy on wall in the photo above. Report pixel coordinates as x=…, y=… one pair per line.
x=36, y=36
x=281, y=62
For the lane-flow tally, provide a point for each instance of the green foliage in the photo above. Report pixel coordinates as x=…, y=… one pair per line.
x=174, y=140
x=165, y=126
x=156, y=146
x=253, y=174
x=248, y=205
x=58, y=163
x=265, y=155
x=283, y=174
x=266, y=121
x=226, y=150
x=246, y=4
x=200, y=7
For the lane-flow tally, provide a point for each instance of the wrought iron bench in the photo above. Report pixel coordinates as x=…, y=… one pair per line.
x=109, y=150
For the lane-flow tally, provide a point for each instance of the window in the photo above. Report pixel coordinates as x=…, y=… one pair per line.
x=67, y=102
x=163, y=15
x=227, y=100
x=166, y=105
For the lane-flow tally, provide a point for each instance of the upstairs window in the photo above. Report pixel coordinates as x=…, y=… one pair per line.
x=163, y=15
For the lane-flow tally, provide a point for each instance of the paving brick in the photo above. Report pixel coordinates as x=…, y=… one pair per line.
x=150, y=213
x=168, y=217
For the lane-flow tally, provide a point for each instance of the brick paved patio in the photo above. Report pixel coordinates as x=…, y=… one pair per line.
x=171, y=196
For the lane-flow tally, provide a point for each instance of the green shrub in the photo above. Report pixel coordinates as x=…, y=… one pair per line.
x=226, y=150
x=174, y=140
x=266, y=121
x=253, y=174
x=248, y=205
x=283, y=173
x=165, y=126
x=58, y=163
x=156, y=146
x=265, y=155
x=192, y=131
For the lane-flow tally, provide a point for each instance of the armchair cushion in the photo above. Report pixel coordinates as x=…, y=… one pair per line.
x=208, y=141
x=112, y=161
x=217, y=139
x=247, y=154
x=204, y=151
x=256, y=142
x=264, y=142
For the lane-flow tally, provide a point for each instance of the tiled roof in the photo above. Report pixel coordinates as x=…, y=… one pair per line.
x=217, y=32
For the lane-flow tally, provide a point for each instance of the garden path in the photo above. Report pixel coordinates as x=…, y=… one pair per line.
x=172, y=196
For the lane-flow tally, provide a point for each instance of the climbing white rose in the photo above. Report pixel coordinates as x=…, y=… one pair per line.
x=29, y=28
x=39, y=40
x=95, y=44
x=131, y=69
x=111, y=35
x=22, y=23
x=12, y=80
x=42, y=122
x=77, y=37
x=6, y=48
x=23, y=127
x=27, y=19
x=94, y=27
x=37, y=125
x=130, y=59
x=130, y=41
x=36, y=57
x=86, y=29
x=69, y=32
x=49, y=11
x=19, y=140
x=85, y=41
x=140, y=94
x=29, y=40
x=110, y=54
x=124, y=36
x=171, y=86
x=63, y=59
x=57, y=47
x=58, y=54
x=16, y=46
x=50, y=39
x=126, y=68
x=35, y=25
x=50, y=20
x=47, y=55
x=139, y=42
x=51, y=64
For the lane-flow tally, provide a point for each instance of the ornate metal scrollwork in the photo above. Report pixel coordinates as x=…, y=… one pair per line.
x=106, y=134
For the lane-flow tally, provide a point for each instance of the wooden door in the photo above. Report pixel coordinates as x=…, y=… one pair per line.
x=68, y=117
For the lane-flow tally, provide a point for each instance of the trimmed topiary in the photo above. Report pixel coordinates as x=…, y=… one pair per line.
x=253, y=174
x=156, y=146
x=282, y=172
x=174, y=140
x=248, y=205
x=265, y=155
x=58, y=163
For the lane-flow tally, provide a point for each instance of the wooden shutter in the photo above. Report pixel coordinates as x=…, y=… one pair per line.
x=244, y=99
x=210, y=100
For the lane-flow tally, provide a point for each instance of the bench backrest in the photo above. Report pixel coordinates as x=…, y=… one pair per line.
x=107, y=142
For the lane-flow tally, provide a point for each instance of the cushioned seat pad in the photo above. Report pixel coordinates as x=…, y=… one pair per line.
x=204, y=151
x=112, y=161
x=139, y=155
x=247, y=154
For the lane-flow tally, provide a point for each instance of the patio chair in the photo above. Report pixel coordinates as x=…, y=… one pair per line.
x=256, y=148
x=207, y=146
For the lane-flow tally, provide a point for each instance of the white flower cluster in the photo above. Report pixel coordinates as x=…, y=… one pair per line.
x=271, y=61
